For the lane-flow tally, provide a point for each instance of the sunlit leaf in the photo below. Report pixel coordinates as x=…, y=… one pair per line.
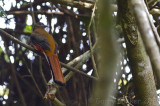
x=28, y=29
x=1, y=92
x=120, y=82
x=125, y=82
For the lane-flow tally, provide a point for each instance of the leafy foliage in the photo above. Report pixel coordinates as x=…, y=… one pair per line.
x=2, y=12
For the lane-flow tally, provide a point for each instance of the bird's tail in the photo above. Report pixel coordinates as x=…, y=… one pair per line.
x=56, y=70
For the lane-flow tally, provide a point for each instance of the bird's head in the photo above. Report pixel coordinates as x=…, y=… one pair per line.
x=40, y=25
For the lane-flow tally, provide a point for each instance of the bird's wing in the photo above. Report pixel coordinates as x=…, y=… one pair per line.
x=40, y=40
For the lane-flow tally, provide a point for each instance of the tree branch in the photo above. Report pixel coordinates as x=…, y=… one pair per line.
x=17, y=41
x=157, y=37
x=138, y=59
x=68, y=76
x=32, y=49
x=147, y=35
x=47, y=13
x=28, y=5
x=78, y=4
x=77, y=71
x=32, y=13
x=35, y=12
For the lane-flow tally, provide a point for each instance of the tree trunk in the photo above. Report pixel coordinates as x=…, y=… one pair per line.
x=138, y=59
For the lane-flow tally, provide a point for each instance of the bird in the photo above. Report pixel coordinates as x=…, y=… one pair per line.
x=43, y=42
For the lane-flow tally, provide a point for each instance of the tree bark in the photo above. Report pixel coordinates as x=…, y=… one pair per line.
x=108, y=55
x=138, y=59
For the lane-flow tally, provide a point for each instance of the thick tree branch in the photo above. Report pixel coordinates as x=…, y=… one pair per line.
x=108, y=56
x=147, y=35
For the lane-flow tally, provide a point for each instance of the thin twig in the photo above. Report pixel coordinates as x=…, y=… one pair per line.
x=90, y=42
x=27, y=83
x=16, y=82
x=127, y=102
x=33, y=16
x=41, y=72
x=33, y=79
x=78, y=71
x=58, y=103
x=70, y=74
x=77, y=62
x=32, y=49
x=17, y=41
x=157, y=37
x=47, y=13
x=16, y=31
x=66, y=11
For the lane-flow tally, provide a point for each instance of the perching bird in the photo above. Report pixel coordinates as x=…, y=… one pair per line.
x=44, y=42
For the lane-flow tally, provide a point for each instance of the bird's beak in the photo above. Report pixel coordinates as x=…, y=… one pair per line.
x=44, y=26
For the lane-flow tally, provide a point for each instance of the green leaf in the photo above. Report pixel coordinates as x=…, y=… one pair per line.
x=6, y=58
x=125, y=82
x=1, y=51
x=2, y=12
x=24, y=3
x=120, y=82
x=28, y=29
